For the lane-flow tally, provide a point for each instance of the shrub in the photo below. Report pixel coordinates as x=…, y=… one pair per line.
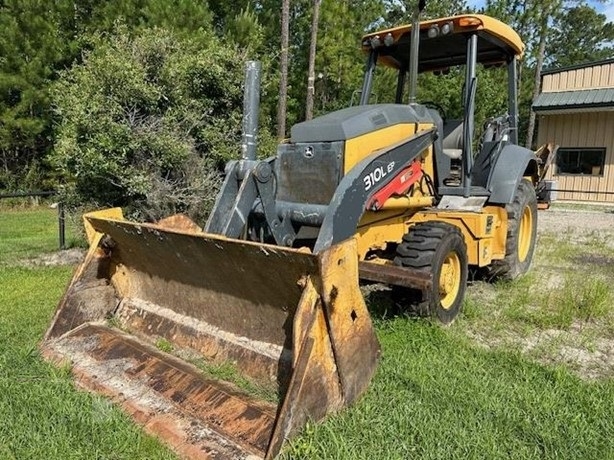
x=146, y=122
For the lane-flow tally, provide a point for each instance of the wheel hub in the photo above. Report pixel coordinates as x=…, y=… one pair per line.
x=449, y=280
x=525, y=234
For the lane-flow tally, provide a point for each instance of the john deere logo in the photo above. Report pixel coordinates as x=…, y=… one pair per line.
x=308, y=153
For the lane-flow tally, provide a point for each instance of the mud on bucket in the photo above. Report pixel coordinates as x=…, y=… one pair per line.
x=282, y=335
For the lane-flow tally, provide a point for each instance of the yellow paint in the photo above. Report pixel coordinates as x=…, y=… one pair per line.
x=358, y=148
x=485, y=232
x=377, y=229
x=525, y=233
x=450, y=280
x=403, y=203
x=110, y=213
x=474, y=22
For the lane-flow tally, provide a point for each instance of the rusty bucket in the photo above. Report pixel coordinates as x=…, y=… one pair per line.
x=223, y=348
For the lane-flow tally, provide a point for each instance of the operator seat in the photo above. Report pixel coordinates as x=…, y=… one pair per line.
x=453, y=138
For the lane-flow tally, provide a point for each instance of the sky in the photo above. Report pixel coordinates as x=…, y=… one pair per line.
x=606, y=7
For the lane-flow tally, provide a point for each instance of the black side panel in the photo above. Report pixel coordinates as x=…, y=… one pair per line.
x=442, y=162
x=482, y=165
x=308, y=173
x=508, y=171
x=355, y=121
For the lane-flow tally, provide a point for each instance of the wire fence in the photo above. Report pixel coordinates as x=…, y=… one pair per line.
x=44, y=194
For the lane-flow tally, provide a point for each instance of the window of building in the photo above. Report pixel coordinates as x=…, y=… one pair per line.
x=581, y=161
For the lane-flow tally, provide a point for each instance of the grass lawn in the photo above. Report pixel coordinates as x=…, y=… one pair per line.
x=439, y=393
x=436, y=396
x=25, y=233
x=42, y=415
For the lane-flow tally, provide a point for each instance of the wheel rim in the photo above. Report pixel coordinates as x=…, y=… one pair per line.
x=449, y=280
x=525, y=234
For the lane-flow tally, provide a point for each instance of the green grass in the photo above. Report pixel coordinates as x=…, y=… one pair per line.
x=561, y=312
x=28, y=232
x=436, y=395
x=580, y=206
x=575, y=299
x=42, y=415
x=230, y=373
x=439, y=397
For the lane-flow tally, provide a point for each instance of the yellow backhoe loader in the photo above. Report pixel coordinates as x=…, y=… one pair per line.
x=268, y=291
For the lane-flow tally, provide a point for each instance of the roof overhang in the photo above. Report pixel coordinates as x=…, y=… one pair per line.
x=497, y=43
x=589, y=100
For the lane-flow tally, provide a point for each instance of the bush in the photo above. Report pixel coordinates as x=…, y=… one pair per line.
x=147, y=122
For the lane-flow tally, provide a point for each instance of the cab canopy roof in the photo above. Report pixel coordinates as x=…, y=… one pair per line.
x=443, y=43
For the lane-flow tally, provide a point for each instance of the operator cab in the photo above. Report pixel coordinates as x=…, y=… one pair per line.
x=465, y=40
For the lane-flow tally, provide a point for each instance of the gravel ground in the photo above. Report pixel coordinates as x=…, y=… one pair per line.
x=577, y=220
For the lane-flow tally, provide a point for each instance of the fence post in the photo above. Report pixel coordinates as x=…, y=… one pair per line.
x=61, y=225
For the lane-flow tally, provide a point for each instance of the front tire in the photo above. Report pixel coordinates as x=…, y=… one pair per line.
x=521, y=234
x=438, y=248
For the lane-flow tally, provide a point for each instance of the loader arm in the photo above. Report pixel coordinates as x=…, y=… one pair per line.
x=363, y=182
x=246, y=182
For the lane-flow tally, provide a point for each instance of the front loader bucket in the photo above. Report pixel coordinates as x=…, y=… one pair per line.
x=153, y=305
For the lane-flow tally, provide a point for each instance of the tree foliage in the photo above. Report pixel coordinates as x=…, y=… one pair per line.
x=587, y=36
x=145, y=119
x=32, y=47
x=40, y=40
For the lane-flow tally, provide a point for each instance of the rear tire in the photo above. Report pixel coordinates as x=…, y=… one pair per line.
x=437, y=248
x=521, y=234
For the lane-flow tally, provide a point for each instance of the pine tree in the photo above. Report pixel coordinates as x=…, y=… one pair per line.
x=581, y=34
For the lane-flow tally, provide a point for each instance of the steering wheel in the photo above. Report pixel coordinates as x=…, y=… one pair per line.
x=436, y=106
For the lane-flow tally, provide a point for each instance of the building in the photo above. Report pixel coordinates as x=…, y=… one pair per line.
x=576, y=111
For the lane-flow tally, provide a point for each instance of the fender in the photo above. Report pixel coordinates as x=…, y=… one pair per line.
x=513, y=163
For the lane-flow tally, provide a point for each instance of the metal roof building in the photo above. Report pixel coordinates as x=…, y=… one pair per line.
x=576, y=111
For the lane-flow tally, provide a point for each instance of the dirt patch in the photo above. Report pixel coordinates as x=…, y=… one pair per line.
x=571, y=220
x=72, y=256
x=590, y=359
x=595, y=259
x=575, y=248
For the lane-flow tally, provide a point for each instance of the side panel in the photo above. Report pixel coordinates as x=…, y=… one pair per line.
x=508, y=171
x=484, y=232
x=359, y=148
x=362, y=182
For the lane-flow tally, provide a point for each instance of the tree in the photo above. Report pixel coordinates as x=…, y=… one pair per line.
x=39, y=38
x=145, y=120
x=531, y=20
x=545, y=14
x=401, y=11
x=283, y=70
x=556, y=32
x=313, y=43
x=183, y=17
x=581, y=34
x=32, y=47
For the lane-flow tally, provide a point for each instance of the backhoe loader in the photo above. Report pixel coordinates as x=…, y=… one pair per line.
x=268, y=291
